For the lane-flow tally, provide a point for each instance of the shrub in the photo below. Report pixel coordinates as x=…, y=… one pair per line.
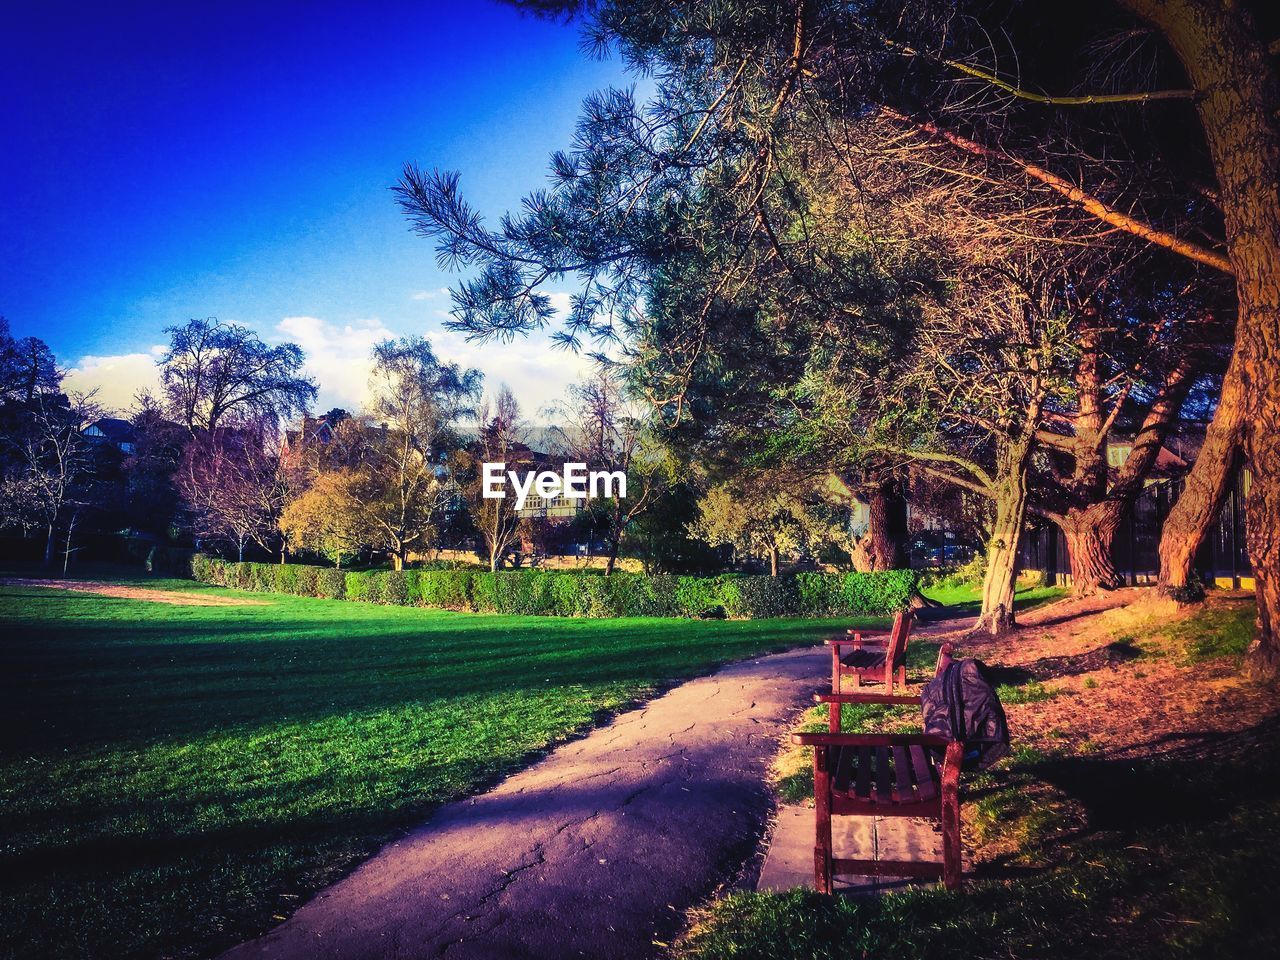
x=330, y=584
x=286, y=577
x=393, y=588
x=484, y=592
x=578, y=594
x=307, y=580
x=820, y=593
x=357, y=586
x=885, y=592
x=262, y=577
x=449, y=589
x=761, y=596
x=699, y=597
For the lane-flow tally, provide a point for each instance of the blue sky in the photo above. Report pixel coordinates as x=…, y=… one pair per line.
x=163, y=161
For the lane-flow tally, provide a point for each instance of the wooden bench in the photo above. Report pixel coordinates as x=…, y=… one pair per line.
x=873, y=658
x=884, y=775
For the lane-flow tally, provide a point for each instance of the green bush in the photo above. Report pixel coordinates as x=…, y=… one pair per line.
x=448, y=589
x=286, y=577
x=699, y=597
x=307, y=577
x=760, y=596
x=484, y=592
x=262, y=577
x=393, y=588
x=357, y=586
x=579, y=593
x=885, y=592
x=330, y=584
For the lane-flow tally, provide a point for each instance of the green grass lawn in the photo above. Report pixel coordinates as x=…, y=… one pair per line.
x=173, y=779
x=966, y=600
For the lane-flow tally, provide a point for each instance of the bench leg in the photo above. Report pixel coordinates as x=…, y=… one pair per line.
x=951, y=849
x=822, y=820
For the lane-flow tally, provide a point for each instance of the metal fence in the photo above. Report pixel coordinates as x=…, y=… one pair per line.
x=1222, y=560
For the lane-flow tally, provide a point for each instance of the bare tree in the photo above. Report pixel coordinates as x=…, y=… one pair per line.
x=399, y=448
x=501, y=436
x=606, y=432
x=57, y=463
x=231, y=485
x=216, y=372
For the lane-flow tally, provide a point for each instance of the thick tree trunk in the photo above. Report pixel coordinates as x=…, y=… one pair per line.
x=773, y=562
x=887, y=526
x=1227, y=61
x=1089, y=534
x=1000, y=584
x=48, y=548
x=612, y=560
x=397, y=558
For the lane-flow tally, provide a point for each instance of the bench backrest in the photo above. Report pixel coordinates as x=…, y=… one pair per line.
x=896, y=654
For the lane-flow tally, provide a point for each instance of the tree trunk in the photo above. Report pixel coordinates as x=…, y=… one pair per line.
x=1089, y=534
x=1001, y=582
x=773, y=561
x=612, y=559
x=1205, y=488
x=887, y=526
x=493, y=556
x=1227, y=61
x=860, y=557
x=397, y=558
x=240, y=550
x=48, y=548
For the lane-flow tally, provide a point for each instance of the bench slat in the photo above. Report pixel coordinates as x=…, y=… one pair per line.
x=864, y=772
x=926, y=775
x=843, y=760
x=902, y=774
x=884, y=792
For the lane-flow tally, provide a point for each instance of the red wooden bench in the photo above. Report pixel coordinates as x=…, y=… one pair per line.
x=873, y=659
x=884, y=775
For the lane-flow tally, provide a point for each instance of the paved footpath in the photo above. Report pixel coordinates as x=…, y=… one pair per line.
x=595, y=851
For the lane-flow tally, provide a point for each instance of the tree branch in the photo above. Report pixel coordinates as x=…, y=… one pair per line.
x=1073, y=193
x=1021, y=93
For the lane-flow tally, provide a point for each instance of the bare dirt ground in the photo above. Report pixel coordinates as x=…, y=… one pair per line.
x=176, y=598
x=1112, y=696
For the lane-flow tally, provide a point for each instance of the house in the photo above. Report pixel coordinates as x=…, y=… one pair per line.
x=313, y=430
x=119, y=433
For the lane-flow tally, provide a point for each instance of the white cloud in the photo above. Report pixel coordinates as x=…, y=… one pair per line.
x=338, y=359
x=429, y=294
x=337, y=356
x=537, y=373
x=117, y=379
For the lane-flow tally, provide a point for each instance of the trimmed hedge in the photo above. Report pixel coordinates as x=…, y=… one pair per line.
x=560, y=594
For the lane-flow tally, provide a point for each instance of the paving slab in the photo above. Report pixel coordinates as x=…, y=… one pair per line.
x=789, y=860
x=595, y=851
